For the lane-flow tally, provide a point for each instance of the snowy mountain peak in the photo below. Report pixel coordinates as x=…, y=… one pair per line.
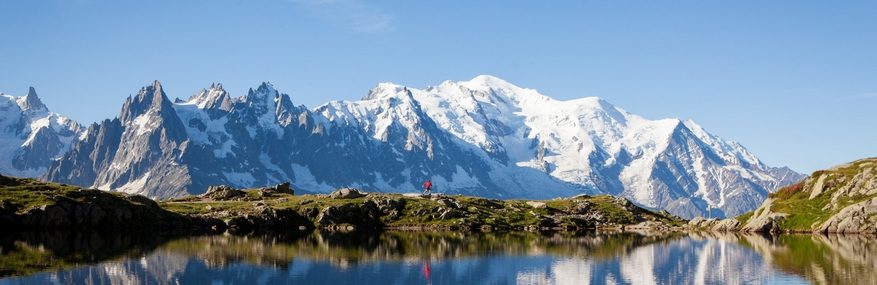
x=31, y=103
x=496, y=90
x=31, y=137
x=264, y=88
x=387, y=90
x=490, y=81
x=264, y=96
x=214, y=97
x=150, y=99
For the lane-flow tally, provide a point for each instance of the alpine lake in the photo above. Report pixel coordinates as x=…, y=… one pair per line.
x=395, y=257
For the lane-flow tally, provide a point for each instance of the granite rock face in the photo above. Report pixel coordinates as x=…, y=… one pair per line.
x=347, y=193
x=727, y=225
x=857, y=218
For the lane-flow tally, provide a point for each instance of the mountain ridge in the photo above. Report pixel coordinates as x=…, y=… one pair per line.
x=483, y=137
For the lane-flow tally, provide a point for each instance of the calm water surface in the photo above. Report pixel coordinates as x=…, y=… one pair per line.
x=436, y=258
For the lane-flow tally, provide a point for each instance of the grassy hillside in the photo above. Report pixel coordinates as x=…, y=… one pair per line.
x=808, y=205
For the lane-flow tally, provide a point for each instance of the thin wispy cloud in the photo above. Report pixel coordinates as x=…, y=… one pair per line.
x=866, y=95
x=357, y=15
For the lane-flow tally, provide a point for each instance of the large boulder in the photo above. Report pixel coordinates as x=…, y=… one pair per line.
x=347, y=193
x=386, y=206
x=727, y=225
x=536, y=204
x=282, y=188
x=701, y=223
x=223, y=192
x=765, y=220
x=857, y=218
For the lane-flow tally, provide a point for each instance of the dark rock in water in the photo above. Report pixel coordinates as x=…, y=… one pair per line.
x=347, y=193
x=223, y=192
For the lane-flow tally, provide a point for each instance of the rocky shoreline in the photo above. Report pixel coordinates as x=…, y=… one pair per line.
x=841, y=200
x=32, y=204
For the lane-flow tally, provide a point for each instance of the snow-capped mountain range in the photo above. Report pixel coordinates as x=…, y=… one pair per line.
x=31, y=137
x=482, y=137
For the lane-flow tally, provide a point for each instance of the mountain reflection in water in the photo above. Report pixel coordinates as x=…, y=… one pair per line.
x=436, y=258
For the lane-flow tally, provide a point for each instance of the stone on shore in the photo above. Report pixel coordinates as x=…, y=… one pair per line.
x=223, y=192
x=347, y=193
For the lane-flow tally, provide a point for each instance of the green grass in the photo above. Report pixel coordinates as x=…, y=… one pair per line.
x=25, y=194
x=804, y=214
x=745, y=217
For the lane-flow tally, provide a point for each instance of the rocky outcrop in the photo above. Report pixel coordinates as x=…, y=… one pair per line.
x=858, y=218
x=727, y=225
x=97, y=209
x=222, y=193
x=282, y=188
x=842, y=199
x=349, y=217
x=764, y=220
x=701, y=223
x=265, y=217
x=347, y=193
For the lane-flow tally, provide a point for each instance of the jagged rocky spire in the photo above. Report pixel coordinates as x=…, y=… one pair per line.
x=32, y=102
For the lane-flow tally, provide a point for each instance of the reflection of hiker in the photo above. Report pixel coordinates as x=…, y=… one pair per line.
x=427, y=187
x=426, y=271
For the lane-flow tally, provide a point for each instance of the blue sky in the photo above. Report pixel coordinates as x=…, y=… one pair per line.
x=794, y=81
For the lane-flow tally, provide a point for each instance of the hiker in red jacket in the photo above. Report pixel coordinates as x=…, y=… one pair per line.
x=427, y=187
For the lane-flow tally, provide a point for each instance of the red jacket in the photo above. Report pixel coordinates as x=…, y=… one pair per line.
x=427, y=184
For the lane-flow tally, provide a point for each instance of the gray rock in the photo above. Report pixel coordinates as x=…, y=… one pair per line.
x=582, y=207
x=450, y=203
x=727, y=225
x=857, y=218
x=701, y=223
x=282, y=188
x=347, y=193
x=388, y=206
x=536, y=204
x=223, y=192
x=448, y=214
x=764, y=220
x=360, y=216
